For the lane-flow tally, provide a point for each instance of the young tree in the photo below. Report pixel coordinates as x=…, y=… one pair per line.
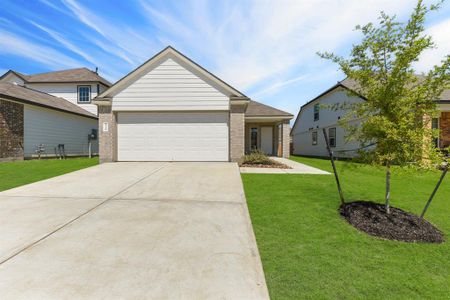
x=400, y=104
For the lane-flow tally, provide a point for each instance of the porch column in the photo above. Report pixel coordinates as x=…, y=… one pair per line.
x=237, y=129
x=285, y=131
x=107, y=133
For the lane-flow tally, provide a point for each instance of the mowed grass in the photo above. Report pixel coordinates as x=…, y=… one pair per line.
x=309, y=252
x=13, y=174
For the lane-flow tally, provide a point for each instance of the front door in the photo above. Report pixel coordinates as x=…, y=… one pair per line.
x=267, y=139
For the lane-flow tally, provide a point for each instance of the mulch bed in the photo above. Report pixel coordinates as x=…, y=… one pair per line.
x=274, y=164
x=399, y=225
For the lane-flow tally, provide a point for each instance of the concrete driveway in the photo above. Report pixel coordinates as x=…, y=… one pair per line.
x=131, y=231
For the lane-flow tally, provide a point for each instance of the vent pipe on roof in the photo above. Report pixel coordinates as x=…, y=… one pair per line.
x=96, y=70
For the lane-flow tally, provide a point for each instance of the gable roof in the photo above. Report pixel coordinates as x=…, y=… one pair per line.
x=154, y=61
x=23, y=94
x=256, y=109
x=353, y=86
x=71, y=75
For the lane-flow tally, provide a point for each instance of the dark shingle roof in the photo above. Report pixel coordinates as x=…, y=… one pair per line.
x=71, y=75
x=22, y=94
x=256, y=109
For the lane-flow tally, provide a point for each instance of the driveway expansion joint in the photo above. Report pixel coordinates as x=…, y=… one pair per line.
x=179, y=200
x=78, y=217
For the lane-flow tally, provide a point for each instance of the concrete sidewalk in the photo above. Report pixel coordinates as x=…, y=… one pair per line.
x=131, y=231
x=297, y=168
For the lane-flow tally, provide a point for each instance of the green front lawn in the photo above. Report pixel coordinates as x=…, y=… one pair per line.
x=18, y=173
x=309, y=252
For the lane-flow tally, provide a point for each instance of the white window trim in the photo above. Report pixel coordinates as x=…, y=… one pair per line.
x=78, y=94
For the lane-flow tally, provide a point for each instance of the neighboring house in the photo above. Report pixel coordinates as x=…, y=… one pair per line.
x=47, y=110
x=171, y=109
x=318, y=113
x=78, y=86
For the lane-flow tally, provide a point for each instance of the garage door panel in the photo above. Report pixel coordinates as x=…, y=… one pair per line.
x=173, y=136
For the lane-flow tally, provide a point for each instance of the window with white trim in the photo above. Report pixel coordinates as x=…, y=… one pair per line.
x=314, y=137
x=84, y=93
x=332, y=136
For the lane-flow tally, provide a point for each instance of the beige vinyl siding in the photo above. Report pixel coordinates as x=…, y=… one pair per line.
x=69, y=91
x=170, y=86
x=50, y=128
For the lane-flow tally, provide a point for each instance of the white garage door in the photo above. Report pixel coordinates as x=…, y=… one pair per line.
x=172, y=136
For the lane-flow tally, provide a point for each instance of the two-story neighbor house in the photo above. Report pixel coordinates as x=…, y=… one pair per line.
x=307, y=136
x=42, y=111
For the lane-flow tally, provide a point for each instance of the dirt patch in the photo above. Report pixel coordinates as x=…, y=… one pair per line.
x=399, y=225
x=272, y=164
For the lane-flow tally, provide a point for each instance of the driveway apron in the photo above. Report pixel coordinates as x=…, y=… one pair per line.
x=131, y=231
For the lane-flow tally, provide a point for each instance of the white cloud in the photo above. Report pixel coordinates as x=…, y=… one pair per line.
x=15, y=45
x=440, y=34
x=129, y=47
x=65, y=43
x=265, y=41
x=278, y=85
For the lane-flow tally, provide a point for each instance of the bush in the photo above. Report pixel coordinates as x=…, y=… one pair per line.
x=256, y=157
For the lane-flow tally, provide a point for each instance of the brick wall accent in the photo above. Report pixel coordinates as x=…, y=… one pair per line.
x=237, y=132
x=445, y=129
x=107, y=139
x=286, y=128
x=11, y=130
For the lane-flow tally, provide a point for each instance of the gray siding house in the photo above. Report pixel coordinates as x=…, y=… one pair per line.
x=307, y=136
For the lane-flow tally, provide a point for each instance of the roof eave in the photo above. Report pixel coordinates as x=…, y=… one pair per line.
x=8, y=97
x=122, y=83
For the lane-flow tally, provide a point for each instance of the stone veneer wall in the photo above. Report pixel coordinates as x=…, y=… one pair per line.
x=445, y=129
x=11, y=130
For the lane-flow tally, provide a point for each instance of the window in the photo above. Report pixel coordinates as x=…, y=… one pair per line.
x=314, y=138
x=435, y=125
x=254, y=138
x=332, y=136
x=316, y=112
x=84, y=94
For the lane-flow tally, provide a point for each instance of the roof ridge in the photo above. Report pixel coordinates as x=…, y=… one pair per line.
x=65, y=70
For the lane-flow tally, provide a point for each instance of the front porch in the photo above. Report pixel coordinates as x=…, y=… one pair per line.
x=271, y=137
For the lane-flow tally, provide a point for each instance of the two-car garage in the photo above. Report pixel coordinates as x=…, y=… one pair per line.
x=170, y=109
x=172, y=136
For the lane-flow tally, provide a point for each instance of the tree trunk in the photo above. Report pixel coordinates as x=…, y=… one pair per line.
x=388, y=187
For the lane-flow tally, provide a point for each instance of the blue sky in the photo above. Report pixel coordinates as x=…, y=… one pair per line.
x=267, y=49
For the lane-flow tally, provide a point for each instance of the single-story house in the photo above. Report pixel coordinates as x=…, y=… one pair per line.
x=307, y=136
x=172, y=109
